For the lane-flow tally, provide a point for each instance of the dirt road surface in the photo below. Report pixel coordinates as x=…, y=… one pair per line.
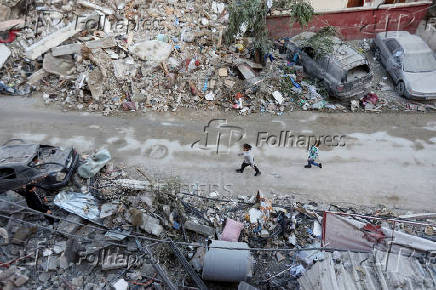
x=387, y=159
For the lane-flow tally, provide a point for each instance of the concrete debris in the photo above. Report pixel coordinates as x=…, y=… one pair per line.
x=73, y=48
x=151, y=225
x=121, y=285
x=15, y=24
x=96, y=84
x=128, y=208
x=200, y=229
x=4, y=12
x=278, y=97
x=54, y=39
x=4, y=234
x=134, y=56
x=222, y=72
x=61, y=66
x=4, y=54
x=107, y=210
x=245, y=286
x=152, y=50
x=93, y=6
x=124, y=68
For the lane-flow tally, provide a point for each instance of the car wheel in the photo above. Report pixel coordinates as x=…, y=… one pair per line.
x=377, y=54
x=400, y=88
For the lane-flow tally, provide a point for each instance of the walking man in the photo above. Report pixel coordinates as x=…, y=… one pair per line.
x=313, y=155
x=248, y=160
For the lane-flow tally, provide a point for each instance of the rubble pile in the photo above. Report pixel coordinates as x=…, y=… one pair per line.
x=152, y=55
x=115, y=228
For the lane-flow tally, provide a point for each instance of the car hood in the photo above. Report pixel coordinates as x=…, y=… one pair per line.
x=421, y=82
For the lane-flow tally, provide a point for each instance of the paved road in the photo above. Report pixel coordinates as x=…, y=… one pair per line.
x=387, y=159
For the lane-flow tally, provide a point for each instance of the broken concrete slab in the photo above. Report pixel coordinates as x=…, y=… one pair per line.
x=96, y=84
x=108, y=209
x=102, y=60
x=5, y=52
x=151, y=225
x=12, y=24
x=61, y=66
x=66, y=49
x=70, y=226
x=201, y=229
x=121, y=285
x=222, y=72
x=90, y=5
x=73, y=48
x=245, y=286
x=246, y=71
x=59, y=247
x=52, y=263
x=278, y=97
x=124, y=68
x=152, y=50
x=20, y=280
x=56, y=38
x=36, y=77
x=5, y=11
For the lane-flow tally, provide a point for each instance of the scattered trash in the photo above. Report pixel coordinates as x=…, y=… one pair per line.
x=297, y=271
x=231, y=231
x=227, y=265
x=94, y=163
x=84, y=205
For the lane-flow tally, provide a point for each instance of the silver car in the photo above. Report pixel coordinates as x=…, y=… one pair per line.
x=410, y=63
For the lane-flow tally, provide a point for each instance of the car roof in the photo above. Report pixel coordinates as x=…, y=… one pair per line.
x=17, y=154
x=412, y=44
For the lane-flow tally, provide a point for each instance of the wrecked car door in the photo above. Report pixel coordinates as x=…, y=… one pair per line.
x=310, y=65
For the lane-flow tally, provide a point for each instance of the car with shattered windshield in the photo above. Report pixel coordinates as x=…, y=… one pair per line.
x=47, y=167
x=410, y=63
x=344, y=71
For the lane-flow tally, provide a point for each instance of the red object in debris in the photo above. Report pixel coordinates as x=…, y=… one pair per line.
x=370, y=98
x=8, y=37
x=373, y=233
x=129, y=106
x=194, y=89
x=197, y=62
x=188, y=60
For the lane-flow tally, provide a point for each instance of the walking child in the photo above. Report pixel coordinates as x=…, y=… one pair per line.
x=248, y=160
x=313, y=155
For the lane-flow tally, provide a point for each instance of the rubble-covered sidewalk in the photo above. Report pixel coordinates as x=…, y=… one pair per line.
x=128, y=229
x=160, y=56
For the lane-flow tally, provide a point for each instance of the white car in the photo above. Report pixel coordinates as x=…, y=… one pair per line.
x=410, y=62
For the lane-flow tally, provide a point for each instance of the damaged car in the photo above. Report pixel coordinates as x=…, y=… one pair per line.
x=410, y=63
x=44, y=166
x=345, y=72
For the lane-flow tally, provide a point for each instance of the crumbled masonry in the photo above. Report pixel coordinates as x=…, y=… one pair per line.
x=164, y=56
x=116, y=229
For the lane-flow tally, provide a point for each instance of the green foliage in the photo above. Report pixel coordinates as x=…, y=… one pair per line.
x=251, y=13
x=302, y=12
x=322, y=42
